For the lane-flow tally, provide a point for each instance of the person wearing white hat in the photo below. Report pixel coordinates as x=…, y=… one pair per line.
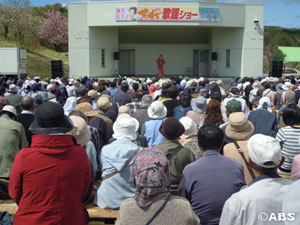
x=255, y=203
x=116, y=162
x=288, y=96
x=157, y=112
x=189, y=138
x=12, y=139
x=71, y=88
x=12, y=96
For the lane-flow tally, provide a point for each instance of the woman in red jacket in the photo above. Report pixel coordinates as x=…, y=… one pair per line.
x=50, y=179
x=160, y=66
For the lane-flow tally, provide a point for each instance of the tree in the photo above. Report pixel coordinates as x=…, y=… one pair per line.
x=10, y=13
x=7, y=18
x=55, y=30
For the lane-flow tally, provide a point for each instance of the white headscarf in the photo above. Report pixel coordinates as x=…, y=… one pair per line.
x=265, y=100
x=70, y=105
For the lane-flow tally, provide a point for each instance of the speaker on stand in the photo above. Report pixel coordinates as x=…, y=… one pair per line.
x=57, y=68
x=277, y=69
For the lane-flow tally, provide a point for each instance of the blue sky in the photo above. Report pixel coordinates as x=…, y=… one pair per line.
x=284, y=13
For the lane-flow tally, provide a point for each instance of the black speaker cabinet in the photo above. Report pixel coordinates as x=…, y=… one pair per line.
x=57, y=68
x=277, y=69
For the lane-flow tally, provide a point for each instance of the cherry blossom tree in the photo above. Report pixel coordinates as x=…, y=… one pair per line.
x=55, y=30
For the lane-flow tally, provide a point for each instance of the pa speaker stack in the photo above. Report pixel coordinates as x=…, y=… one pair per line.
x=277, y=69
x=57, y=68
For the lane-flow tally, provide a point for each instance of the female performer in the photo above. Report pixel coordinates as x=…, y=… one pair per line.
x=160, y=65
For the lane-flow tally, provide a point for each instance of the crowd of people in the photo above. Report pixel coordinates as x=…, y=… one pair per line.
x=162, y=151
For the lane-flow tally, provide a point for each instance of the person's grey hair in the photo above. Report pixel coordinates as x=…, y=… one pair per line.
x=27, y=102
x=147, y=100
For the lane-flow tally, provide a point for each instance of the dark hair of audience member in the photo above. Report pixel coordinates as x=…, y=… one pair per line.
x=173, y=92
x=291, y=115
x=135, y=86
x=210, y=137
x=113, y=84
x=213, y=114
x=185, y=100
x=216, y=96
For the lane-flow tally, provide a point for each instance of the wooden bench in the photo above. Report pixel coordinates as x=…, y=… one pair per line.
x=94, y=211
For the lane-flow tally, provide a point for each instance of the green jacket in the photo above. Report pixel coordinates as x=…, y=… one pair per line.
x=178, y=162
x=12, y=139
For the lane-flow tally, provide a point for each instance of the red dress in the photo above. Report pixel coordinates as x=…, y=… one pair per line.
x=160, y=66
x=49, y=181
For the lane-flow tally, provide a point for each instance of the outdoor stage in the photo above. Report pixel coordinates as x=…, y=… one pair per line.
x=196, y=38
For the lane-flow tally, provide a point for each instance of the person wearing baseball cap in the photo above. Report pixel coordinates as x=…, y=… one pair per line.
x=255, y=203
x=12, y=139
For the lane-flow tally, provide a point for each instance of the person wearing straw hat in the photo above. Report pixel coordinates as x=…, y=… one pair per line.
x=50, y=179
x=103, y=105
x=83, y=137
x=12, y=139
x=264, y=196
x=240, y=130
x=94, y=120
x=288, y=96
x=116, y=162
x=152, y=200
x=157, y=112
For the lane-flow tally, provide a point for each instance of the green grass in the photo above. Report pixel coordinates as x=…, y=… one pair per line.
x=38, y=60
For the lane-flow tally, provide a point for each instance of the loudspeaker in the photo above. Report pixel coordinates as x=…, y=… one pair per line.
x=214, y=56
x=57, y=68
x=276, y=69
x=116, y=56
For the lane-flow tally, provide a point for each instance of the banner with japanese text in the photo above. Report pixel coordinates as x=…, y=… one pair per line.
x=167, y=14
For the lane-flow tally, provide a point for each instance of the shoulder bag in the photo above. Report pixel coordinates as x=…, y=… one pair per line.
x=243, y=157
x=126, y=164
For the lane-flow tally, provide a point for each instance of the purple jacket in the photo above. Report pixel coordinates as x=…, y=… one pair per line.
x=208, y=182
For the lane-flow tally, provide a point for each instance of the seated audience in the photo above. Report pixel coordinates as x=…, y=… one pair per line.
x=239, y=130
x=189, y=138
x=152, y=179
x=208, y=182
x=50, y=180
x=177, y=155
x=157, y=112
x=116, y=161
x=265, y=193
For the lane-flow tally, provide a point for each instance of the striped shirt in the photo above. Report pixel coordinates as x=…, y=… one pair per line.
x=289, y=135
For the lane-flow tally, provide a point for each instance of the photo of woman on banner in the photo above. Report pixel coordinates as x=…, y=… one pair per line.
x=132, y=13
x=160, y=65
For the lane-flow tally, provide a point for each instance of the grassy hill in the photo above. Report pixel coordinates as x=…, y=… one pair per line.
x=39, y=59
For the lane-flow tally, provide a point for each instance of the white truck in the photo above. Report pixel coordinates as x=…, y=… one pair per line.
x=13, y=62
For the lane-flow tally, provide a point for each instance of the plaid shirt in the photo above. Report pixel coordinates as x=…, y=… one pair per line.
x=134, y=106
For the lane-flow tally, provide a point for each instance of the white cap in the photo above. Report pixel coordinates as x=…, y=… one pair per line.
x=264, y=151
x=10, y=108
x=190, y=127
